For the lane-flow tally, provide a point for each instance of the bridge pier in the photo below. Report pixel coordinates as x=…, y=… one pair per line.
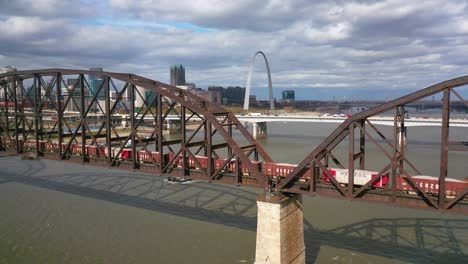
x=259, y=130
x=280, y=230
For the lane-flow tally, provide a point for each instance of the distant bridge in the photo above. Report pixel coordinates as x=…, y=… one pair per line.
x=386, y=121
x=378, y=120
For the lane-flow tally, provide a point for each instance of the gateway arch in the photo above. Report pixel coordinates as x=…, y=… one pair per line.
x=249, y=79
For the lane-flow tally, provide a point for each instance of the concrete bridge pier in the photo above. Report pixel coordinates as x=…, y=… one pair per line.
x=280, y=230
x=259, y=130
x=174, y=126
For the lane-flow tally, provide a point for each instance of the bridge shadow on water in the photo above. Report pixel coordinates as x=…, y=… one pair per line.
x=416, y=240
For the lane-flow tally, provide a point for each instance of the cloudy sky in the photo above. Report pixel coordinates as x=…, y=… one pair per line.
x=315, y=47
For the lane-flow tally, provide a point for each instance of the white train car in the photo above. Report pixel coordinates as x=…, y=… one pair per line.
x=361, y=177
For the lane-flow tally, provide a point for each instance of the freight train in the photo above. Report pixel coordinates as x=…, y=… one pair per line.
x=429, y=184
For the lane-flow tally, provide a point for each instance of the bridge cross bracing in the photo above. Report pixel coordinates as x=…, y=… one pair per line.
x=211, y=143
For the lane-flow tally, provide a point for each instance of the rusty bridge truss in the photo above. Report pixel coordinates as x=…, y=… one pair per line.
x=128, y=121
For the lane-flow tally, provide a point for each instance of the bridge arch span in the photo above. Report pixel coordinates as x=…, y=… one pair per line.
x=249, y=80
x=48, y=84
x=400, y=170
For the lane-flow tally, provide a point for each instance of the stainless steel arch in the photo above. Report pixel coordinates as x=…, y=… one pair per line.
x=249, y=79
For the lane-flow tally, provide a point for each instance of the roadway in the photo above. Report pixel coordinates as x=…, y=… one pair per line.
x=377, y=120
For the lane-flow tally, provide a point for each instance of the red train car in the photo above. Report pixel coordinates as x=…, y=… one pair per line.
x=190, y=161
x=282, y=170
x=64, y=146
x=230, y=167
x=361, y=177
x=31, y=144
x=201, y=159
x=126, y=154
x=144, y=156
x=10, y=142
x=51, y=147
x=75, y=149
x=92, y=151
x=148, y=157
x=178, y=160
x=157, y=155
x=95, y=151
x=430, y=184
x=245, y=170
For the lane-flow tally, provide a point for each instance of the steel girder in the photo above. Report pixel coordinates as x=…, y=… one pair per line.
x=398, y=163
x=41, y=110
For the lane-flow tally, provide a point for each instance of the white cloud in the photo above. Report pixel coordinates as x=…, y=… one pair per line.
x=317, y=34
x=14, y=27
x=180, y=9
x=335, y=44
x=47, y=8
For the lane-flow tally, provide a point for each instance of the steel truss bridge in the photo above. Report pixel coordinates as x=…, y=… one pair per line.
x=212, y=144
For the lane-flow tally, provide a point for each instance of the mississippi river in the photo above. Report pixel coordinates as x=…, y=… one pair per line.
x=58, y=212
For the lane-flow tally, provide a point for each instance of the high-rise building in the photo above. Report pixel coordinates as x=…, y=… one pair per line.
x=177, y=75
x=219, y=89
x=230, y=95
x=77, y=90
x=95, y=81
x=150, y=98
x=235, y=95
x=210, y=96
x=140, y=97
x=74, y=103
x=288, y=95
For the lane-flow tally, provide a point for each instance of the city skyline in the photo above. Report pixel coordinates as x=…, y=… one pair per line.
x=323, y=49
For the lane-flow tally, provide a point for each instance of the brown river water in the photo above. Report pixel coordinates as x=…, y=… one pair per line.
x=59, y=212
